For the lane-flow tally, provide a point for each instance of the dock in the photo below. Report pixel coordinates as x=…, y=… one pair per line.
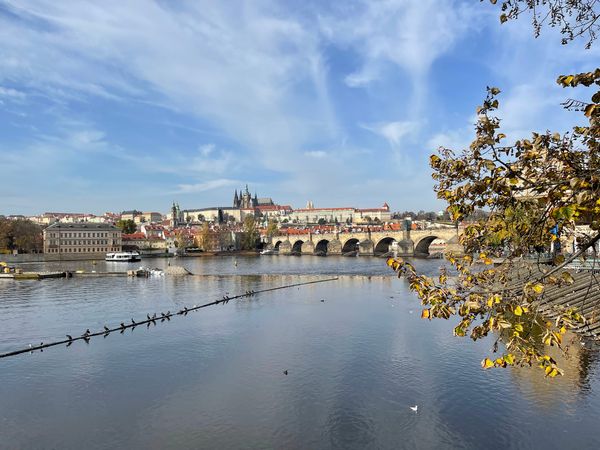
x=65, y=274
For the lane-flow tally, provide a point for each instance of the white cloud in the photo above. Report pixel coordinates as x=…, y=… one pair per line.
x=193, y=58
x=394, y=132
x=12, y=94
x=206, y=186
x=317, y=154
x=409, y=34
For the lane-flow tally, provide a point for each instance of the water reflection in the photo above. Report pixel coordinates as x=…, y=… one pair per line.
x=214, y=379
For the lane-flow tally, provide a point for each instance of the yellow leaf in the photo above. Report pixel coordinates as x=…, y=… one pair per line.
x=567, y=80
x=589, y=110
x=510, y=359
x=538, y=288
x=426, y=314
x=518, y=311
x=487, y=363
x=567, y=277
x=518, y=327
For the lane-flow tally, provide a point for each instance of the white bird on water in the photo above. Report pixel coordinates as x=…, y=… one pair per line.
x=414, y=408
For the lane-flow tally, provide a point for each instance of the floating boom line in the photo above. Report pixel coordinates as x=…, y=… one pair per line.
x=153, y=319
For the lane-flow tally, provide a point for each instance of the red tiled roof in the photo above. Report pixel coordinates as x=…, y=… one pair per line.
x=134, y=236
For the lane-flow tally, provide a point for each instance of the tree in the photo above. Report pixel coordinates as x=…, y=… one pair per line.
x=21, y=235
x=537, y=191
x=322, y=221
x=127, y=226
x=272, y=228
x=183, y=239
x=574, y=18
x=202, y=237
x=250, y=233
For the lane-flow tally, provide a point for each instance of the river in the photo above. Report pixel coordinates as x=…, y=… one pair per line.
x=356, y=352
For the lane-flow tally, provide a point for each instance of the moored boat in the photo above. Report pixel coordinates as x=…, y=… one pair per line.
x=123, y=257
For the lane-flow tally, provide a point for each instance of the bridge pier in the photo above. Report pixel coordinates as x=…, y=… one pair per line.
x=366, y=248
x=285, y=248
x=406, y=247
x=308, y=248
x=334, y=247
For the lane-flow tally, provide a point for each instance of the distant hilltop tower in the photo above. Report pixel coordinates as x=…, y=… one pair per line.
x=309, y=205
x=176, y=216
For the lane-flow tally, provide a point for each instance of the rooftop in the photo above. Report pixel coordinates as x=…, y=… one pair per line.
x=82, y=226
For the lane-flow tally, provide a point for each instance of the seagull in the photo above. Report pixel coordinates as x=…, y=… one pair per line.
x=322, y=300
x=133, y=321
x=69, y=337
x=285, y=372
x=153, y=316
x=106, y=328
x=87, y=332
x=414, y=408
x=148, y=317
x=122, y=325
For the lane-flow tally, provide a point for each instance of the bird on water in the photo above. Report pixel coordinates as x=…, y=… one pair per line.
x=415, y=408
x=285, y=372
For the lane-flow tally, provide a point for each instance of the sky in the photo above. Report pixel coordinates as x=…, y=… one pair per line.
x=118, y=105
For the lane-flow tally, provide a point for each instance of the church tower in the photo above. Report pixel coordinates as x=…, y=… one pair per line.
x=174, y=216
x=236, y=200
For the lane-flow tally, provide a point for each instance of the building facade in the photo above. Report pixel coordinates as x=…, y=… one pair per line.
x=71, y=239
x=312, y=215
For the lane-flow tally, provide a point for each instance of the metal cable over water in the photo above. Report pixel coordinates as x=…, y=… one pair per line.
x=152, y=319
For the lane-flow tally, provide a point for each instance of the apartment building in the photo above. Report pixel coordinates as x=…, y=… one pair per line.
x=92, y=239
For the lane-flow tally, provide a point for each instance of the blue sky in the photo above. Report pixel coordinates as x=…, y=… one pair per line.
x=114, y=105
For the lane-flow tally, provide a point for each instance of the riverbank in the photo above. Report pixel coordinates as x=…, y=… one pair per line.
x=25, y=258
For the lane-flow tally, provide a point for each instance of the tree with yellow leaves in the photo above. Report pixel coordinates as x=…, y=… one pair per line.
x=538, y=190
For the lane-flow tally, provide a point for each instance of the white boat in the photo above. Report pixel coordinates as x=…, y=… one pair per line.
x=123, y=256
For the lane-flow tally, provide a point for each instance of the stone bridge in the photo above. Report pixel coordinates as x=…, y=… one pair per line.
x=405, y=243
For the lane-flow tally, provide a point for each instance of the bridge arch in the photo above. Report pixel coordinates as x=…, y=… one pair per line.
x=321, y=247
x=422, y=247
x=276, y=245
x=384, y=245
x=297, y=247
x=350, y=245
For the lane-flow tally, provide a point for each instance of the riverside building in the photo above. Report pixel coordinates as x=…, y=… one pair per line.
x=81, y=240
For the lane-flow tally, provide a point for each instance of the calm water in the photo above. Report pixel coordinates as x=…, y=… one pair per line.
x=214, y=379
